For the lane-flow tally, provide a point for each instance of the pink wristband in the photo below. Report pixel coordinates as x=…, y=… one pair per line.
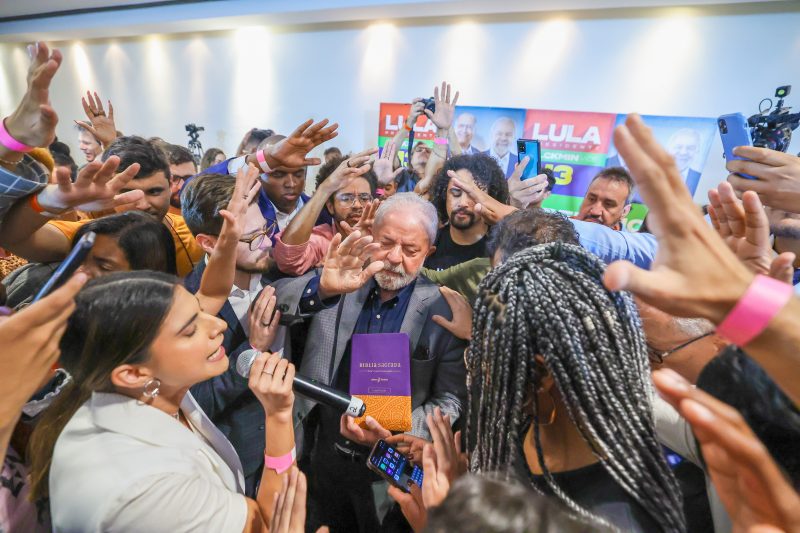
x=10, y=142
x=439, y=140
x=280, y=464
x=764, y=298
x=262, y=162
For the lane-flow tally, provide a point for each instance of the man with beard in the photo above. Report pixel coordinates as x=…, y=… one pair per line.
x=345, y=189
x=387, y=296
x=608, y=198
x=227, y=399
x=181, y=167
x=463, y=237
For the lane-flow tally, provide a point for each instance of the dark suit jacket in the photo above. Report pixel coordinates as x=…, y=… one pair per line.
x=512, y=161
x=438, y=374
x=226, y=399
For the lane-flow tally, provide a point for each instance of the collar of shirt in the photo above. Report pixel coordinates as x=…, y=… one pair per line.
x=384, y=317
x=502, y=161
x=282, y=218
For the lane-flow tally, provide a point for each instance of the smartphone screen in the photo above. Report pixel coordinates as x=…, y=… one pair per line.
x=393, y=466
x=734, y=131
x=68, y=266
x=531, y=149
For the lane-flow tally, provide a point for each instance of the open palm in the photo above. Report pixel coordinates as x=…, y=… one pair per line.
x=344, y=270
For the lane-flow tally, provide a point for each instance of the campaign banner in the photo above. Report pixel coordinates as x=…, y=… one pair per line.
x=575, y=145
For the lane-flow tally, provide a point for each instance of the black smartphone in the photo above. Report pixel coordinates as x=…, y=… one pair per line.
x=393, y=466
x=530, y=148
x=68, y=266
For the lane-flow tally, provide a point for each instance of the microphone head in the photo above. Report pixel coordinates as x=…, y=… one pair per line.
x=245, y=361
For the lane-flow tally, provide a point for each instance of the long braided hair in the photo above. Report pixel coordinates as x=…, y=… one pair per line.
x=548, y=300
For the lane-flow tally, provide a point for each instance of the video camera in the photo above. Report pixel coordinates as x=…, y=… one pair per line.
x=194, y=141
x=194, y=131
x=772, y=128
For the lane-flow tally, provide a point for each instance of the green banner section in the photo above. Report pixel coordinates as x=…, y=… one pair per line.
x=569, y=205
x=574, y=158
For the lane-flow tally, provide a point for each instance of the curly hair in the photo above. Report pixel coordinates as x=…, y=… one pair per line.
x=486, y=173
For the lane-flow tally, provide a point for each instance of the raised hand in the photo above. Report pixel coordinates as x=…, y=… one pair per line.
x=745, y=228
x=778, y=183
x=245, y=190
x=367, y=437
x=752, y=488
x=343, y=270
x=30, y=341
x=289, y=509
x=461, y=324
x=528, y=192
x=412, y=506
x=263, y=319
x=349, y=169
x=694, y=273
x=100, y=125
x=364, y=224
x=416, y=109
x=291, y=152
x=384, y=165
x=96, y=188
x=34, y=121
x=442, y=461
x=492, y=211
x=445, y=109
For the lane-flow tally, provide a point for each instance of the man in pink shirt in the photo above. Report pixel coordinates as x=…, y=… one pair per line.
x=345, y=187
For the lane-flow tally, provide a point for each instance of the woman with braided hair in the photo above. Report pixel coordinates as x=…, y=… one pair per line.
x=560, y=391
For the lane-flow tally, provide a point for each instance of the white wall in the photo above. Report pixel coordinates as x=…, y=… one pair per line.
x=682, y=62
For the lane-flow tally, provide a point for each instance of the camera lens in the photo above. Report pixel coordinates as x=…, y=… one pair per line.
x=723, y=126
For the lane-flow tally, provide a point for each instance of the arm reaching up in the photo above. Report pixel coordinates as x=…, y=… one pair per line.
x=100, y=125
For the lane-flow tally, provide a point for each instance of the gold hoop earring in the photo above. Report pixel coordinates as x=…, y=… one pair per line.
x=151, y=388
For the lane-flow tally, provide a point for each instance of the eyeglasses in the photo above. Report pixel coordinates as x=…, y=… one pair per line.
x=257, y=239
x=349, y=199
x=658, y=356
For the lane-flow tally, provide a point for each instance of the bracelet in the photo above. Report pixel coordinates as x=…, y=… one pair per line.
x=10, y=142
x=33, y=202
x=407, y=127
x=764, y=298
x=439, y=140
x=262, y=162
x=280, y=464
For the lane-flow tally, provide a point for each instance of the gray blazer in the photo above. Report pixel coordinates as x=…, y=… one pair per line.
x=438, y=374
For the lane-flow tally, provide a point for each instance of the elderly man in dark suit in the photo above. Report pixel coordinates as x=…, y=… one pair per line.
x=386, y=296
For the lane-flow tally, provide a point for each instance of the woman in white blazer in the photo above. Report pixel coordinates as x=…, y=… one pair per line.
x=126, y=448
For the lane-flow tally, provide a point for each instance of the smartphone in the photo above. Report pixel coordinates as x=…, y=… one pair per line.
x=530, y=148
x=68, y=266
x=393, y=466
x=734, y=131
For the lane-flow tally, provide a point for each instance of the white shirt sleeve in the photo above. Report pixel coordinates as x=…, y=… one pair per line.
x=674, y=432
x=176, y=502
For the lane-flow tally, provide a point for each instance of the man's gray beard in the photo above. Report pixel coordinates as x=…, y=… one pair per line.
x=394, y=283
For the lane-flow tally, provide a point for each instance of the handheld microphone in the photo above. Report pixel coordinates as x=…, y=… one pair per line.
x=310, y=388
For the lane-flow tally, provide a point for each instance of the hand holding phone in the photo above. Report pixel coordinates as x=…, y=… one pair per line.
x=68, y=266
x=531, y=149
x=734, y=131
x=386, y=461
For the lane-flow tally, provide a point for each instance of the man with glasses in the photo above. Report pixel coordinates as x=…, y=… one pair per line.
x=685, y=345
x=226, y=399
x=345, y=189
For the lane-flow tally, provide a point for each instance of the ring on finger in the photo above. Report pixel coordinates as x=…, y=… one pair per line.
x=265, y=324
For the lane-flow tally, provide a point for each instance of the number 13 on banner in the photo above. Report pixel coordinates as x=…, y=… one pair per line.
x=562, y=173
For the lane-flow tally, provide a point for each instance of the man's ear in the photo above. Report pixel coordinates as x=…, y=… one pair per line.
x=130, y=376
x=206, y=242
x=626, y=210
x=329, y=206
x=431, y=251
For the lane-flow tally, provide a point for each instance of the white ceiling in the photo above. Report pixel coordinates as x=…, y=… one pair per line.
x=124, y=18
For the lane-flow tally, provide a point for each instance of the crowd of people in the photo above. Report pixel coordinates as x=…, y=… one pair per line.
x=564, y=374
